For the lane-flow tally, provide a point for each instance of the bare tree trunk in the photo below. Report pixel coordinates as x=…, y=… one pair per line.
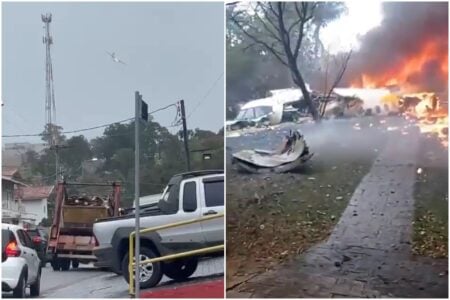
x=307, y=96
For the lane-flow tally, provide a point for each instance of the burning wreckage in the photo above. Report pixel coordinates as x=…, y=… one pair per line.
x=426, y=108
x=292, y=153
x=287, y=105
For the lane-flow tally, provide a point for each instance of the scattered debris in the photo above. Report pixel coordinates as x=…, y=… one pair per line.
x=291, y=154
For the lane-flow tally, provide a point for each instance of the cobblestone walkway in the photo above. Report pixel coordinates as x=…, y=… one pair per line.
x=368, y=253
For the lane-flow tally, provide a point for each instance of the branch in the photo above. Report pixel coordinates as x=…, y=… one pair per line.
x=267, y=16
x=258, y=41
x=301, y=17
x=282, y=29
x=271, y=33
x=337, y=80
x=273, y=10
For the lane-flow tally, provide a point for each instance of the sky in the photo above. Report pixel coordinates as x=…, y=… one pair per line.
x=343, y=34
x=172, y=51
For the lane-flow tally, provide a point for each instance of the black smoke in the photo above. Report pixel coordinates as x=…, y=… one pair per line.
x=405, y=28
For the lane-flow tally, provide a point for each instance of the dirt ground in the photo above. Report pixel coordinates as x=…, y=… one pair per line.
x=430, y=236
x=271, y=218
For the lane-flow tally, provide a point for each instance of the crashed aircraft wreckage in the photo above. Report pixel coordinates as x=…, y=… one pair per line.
x=291, y=154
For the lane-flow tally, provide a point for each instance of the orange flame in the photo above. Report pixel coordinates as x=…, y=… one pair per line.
x=430, y=121
x=399, y=75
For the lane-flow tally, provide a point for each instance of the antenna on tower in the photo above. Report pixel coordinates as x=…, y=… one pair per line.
x=50, y=106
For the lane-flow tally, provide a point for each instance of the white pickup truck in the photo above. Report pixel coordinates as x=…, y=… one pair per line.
x=187, y=196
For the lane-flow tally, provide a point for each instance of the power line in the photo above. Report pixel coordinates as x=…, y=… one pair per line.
x=89, y=128
x=162, y=108
x=206, y=95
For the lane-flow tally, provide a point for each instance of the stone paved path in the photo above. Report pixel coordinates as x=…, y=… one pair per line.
x=368, y=253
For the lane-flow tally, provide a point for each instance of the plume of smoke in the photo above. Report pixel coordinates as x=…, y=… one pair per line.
x=405, y=28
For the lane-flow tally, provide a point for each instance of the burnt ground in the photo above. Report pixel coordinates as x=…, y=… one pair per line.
x=272, y=219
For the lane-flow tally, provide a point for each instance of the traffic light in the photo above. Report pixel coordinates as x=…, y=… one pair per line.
x=144, y=110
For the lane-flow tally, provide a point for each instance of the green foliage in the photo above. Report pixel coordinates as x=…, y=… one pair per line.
x=111, y=158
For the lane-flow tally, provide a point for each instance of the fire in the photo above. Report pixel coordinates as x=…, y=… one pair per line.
x=423, y=107
x=400, y=74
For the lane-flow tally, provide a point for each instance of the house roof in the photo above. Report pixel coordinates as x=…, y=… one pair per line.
x=13, y=180
x=9, y=171
x=36, y=192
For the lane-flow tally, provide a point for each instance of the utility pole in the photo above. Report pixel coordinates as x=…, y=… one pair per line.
x=56, y=148
x=185, y=137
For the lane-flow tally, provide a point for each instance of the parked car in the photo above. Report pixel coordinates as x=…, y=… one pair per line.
x=187, y=196
x=21, y=266
x=40, y=237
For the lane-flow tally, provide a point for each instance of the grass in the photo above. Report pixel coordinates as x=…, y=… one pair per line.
x=271, y=218
x=430, y=236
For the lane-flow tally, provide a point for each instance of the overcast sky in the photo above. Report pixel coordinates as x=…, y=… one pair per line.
x=172, y=51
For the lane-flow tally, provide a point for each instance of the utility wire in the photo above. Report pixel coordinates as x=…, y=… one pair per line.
x=90, y=128
x=206, y=95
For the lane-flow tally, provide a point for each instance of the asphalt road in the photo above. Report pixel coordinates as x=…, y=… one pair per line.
x=89, y=282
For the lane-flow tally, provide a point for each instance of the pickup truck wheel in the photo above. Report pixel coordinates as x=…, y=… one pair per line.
x=181, y=269
x=75, y=264
x=35, y=288
x=55, y=264
x=150, y=274
x=21, y=288
x=64, y=264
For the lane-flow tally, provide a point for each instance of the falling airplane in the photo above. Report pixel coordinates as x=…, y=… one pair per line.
x=114, y=58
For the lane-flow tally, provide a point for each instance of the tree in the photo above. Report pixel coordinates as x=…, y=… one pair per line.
x=52, y=134
x=280, y=29
x=77, y=151
x=251, y=75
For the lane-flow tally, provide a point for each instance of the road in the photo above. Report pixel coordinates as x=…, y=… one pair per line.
x=89, y=282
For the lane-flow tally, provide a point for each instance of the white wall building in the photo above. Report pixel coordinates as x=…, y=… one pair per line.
x=35, y=201
x=11, y=208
